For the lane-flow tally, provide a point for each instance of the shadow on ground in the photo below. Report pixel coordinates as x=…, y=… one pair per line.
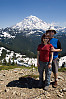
x=24, y=82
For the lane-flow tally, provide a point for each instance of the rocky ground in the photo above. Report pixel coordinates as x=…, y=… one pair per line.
x=14, y=85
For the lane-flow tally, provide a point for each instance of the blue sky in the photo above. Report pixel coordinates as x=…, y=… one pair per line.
x=14, y=11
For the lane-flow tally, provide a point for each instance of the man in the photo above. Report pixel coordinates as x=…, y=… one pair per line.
x=57, y=48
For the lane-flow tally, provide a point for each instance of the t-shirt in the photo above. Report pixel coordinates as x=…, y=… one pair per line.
x=44, y=52
x=57, y=45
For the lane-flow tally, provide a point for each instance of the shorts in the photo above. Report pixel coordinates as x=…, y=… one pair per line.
x=55, y=65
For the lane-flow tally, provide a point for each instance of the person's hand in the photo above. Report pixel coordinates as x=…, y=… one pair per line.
x=52, y=49
x=38, y=64
x=49, y=66
x=60, y=49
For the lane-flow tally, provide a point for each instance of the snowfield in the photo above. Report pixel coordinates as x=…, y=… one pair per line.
x=25, y=61
x=22, y=60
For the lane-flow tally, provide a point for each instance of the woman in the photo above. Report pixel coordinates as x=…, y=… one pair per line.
x=44, y=60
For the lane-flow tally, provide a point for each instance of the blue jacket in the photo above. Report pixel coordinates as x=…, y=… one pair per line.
x=54, y=41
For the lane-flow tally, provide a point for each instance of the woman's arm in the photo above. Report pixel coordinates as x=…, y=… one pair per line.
x=38, y=54
x=51, y=58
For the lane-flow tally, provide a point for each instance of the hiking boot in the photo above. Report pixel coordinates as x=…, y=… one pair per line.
x=55, y=84
x=46, y=88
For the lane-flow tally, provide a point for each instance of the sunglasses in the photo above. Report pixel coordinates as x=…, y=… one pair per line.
x=51, y=31
x=46, y=38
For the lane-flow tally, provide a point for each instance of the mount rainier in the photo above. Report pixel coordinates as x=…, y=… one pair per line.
x=33, y=24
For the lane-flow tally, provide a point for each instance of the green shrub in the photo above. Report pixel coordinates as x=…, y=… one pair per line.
x=62, y=69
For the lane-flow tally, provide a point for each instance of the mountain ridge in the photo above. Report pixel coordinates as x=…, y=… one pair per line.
x=29, y=26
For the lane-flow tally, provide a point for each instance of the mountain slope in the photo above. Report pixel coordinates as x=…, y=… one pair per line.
x=31, y=22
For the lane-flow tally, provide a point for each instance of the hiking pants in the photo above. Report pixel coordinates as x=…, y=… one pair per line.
x=44, y=66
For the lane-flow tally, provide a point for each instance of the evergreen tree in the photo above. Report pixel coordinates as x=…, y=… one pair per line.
x=4, y=62
x=9, y=63
x=13, y=63
x=3, y=55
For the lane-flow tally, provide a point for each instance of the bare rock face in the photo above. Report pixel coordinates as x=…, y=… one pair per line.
x=16, y=85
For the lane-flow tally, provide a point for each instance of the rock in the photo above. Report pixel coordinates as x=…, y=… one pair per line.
x=21, y=73
x=61, y=90
x=22, y=94
x=6, y=90
x=1, y=79
x=14, y=92
x=59, y=95
x=3, y=74
x=15, y=71
x=64, y=89
x=47, y=94
x=37, y=78
x=60, y=77
x=18, y=93
x=57, y=91
x=1, y=91
x=52, y=79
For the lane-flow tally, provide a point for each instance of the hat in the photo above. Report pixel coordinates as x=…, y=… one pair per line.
x=51, y=28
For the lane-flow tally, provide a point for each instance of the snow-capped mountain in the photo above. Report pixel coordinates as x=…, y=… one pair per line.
x=31, y=22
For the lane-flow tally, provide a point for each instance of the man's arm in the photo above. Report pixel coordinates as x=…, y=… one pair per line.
x=59, y=49
x=56, y=50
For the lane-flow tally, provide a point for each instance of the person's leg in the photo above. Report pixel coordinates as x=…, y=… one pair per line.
x=56, y=76
x=55, y=71
x=41, y=70
x=47, y=77
x=56, y=79
x=46, y=71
